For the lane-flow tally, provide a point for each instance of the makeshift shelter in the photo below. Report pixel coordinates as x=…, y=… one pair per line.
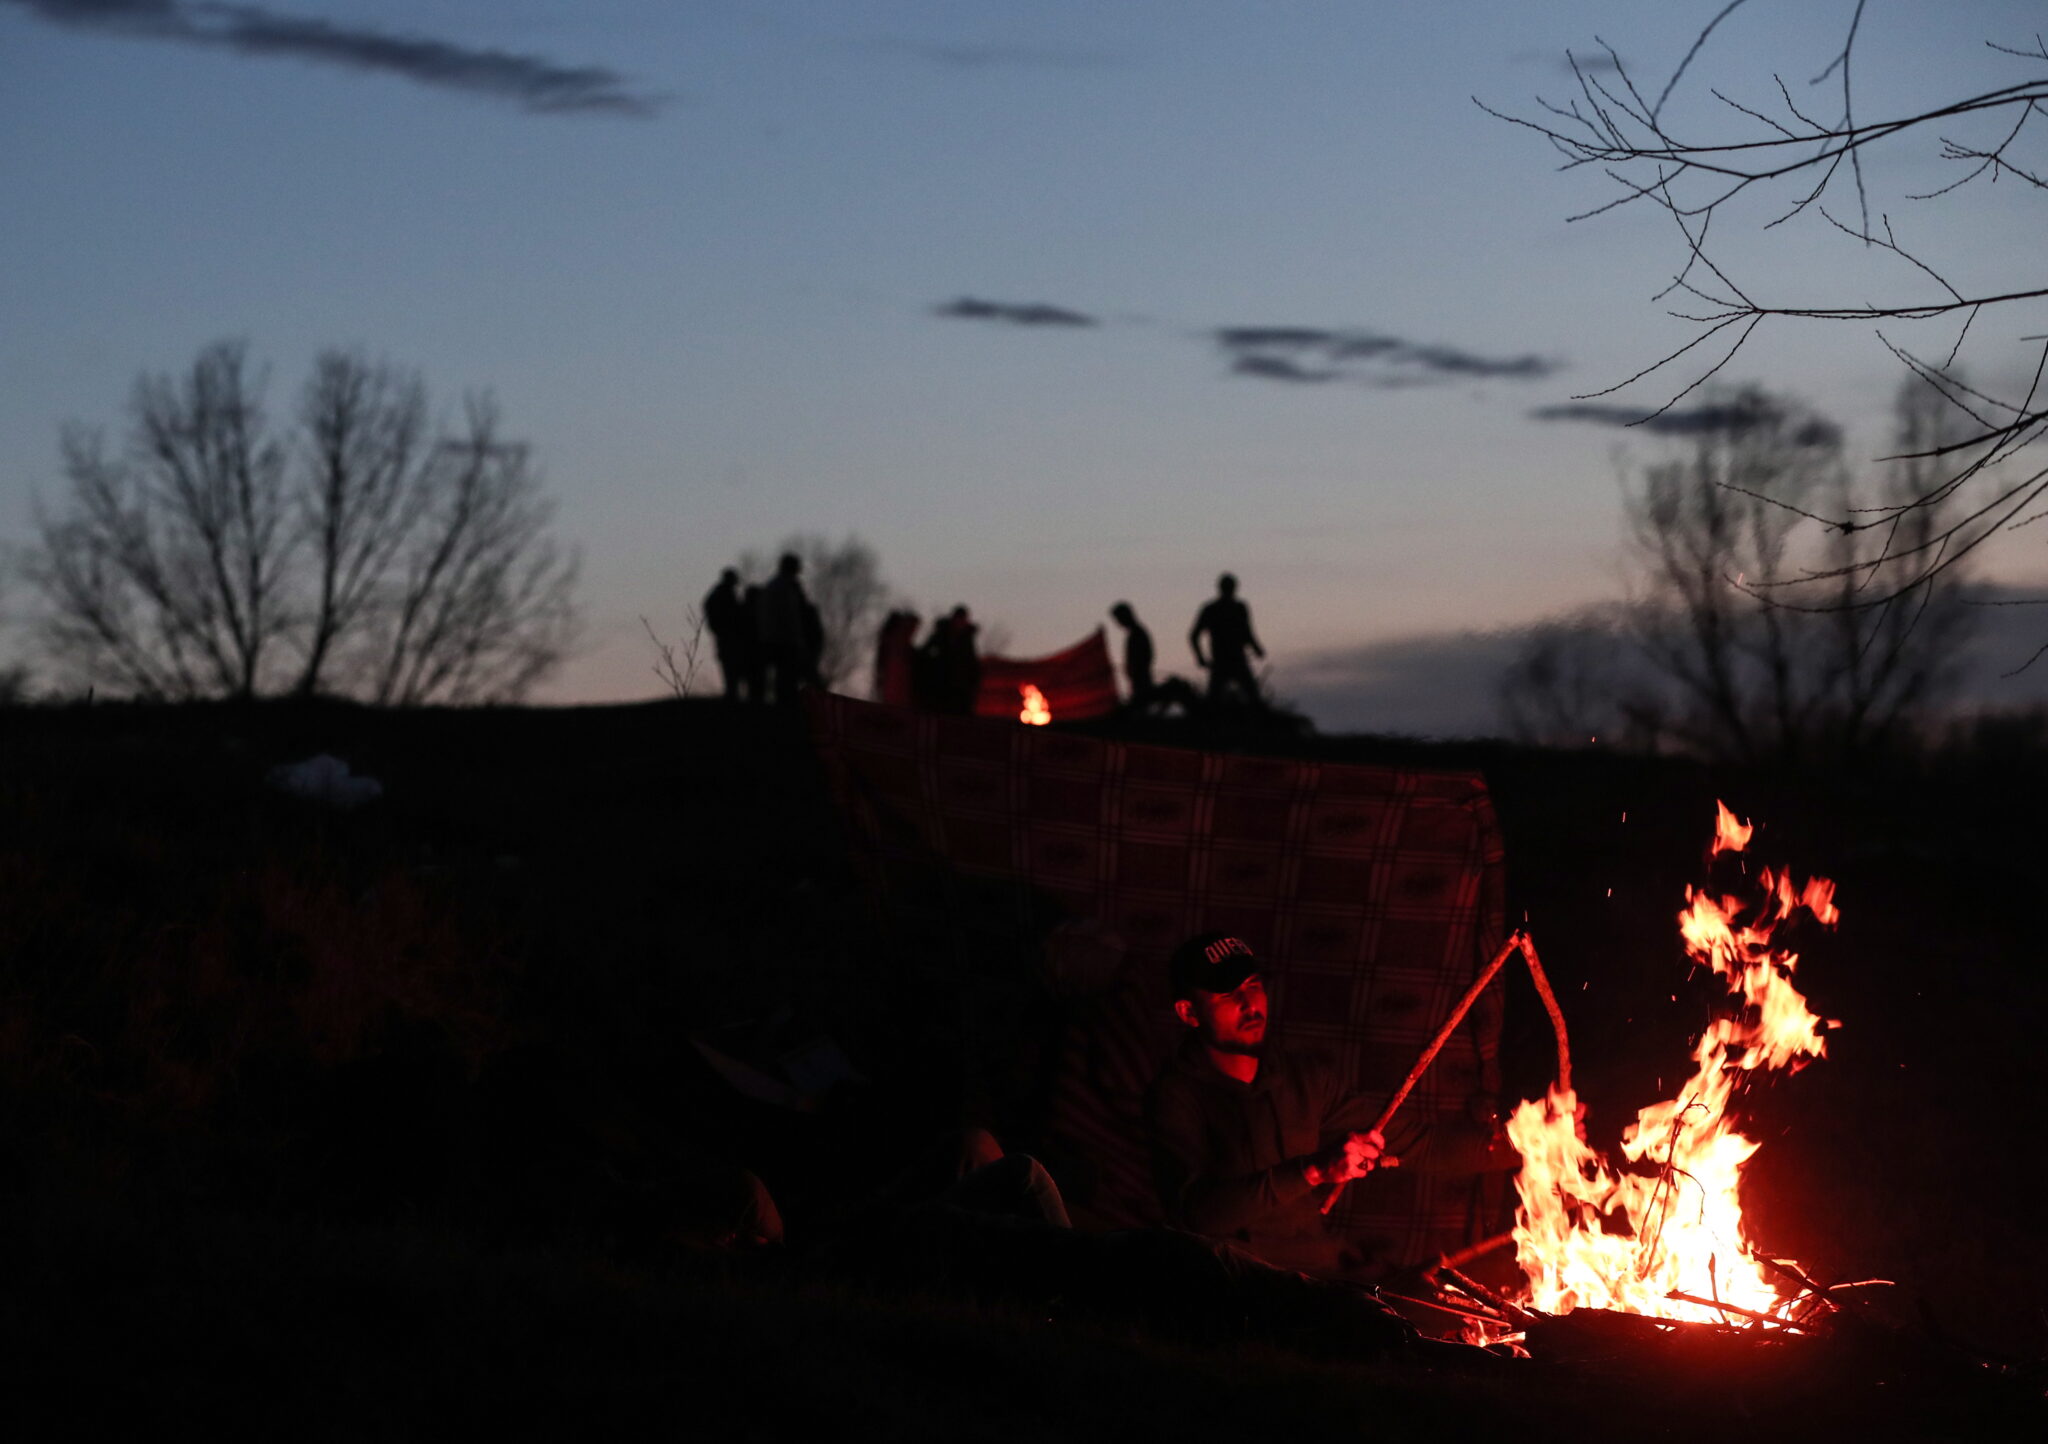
x=1073, y=685
x=1026, y=857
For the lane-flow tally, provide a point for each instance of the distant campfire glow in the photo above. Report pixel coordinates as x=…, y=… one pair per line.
x=1035, y=712
x=1590, y=1235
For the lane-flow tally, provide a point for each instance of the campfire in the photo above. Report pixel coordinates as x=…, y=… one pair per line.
x=1659, y=1235
x=1035, y=712
x=1664, y=1237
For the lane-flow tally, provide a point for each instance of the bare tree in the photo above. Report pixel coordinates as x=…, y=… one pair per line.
x=167, y=575
x=1707, y=525
x=484, y=603
x=1569, y=681
x=1707, y=659
x=365, y=431
x=1772, y=150
x=1894, y=658
x=215, y=557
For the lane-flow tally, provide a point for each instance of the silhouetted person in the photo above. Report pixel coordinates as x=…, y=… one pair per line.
x=1148, y=694
x=1227, y=623
x=788, y=630
x=896, y=659
x=952, y=665
x=755, y=659
x=814, y=645
x=1137, y=655
x=732, y=632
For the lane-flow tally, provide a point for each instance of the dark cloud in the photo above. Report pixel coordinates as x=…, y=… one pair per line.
x=1432, y=685
x=1602, y=63
x=1275, y=338
x=1280, y=368
x=1728, y=418
x=1313, y=353
x=1030, y=313
x=1575, y=63
x=1300, y=355
x=531, y=81
x=968, y=56
x=1453, y=362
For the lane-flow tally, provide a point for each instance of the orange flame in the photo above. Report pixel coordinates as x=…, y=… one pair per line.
x=1729, y=835
x=1035, y=713
x=1591, y=1235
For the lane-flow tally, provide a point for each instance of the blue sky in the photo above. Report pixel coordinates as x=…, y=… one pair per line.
x=704, y=284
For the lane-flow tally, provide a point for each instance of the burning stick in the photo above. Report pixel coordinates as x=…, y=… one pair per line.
x=1472, y=1289
x=1728, y=1308
x=1516, y=939
x=1476, y=1314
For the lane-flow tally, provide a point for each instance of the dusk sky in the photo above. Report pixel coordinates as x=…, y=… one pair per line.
x=707, y=257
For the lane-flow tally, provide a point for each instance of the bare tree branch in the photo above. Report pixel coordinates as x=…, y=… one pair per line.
x=198, y=561
x=1656, y=158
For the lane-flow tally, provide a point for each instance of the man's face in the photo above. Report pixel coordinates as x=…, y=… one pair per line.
x=1232, y=1022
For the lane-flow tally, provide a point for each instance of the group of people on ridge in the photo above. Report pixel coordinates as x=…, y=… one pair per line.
x=770, y=638
x=940, y=674
x=1225, y=623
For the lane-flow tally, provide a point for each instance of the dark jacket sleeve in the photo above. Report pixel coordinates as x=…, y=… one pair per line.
x=1195, y=1194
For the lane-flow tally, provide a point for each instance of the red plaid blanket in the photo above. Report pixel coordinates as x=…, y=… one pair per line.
x=1374, y=893
x=1076, y=684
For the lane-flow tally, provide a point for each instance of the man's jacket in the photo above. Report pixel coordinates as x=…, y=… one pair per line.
x=1230, y=1154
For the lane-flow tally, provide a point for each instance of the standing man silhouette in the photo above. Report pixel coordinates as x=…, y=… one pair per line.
x=731, y=624
x=1227, y=623
x=788, y=631
x=1137, y=657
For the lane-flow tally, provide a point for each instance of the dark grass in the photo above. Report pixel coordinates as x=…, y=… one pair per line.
x=337, y=1123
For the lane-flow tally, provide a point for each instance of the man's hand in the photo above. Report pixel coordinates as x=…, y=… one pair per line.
x=1358, y=1155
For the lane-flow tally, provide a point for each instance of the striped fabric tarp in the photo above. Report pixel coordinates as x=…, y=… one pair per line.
x=1076, y=684
x=1375, y=894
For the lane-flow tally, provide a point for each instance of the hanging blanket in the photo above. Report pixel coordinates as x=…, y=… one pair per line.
x=1076, y=684
x=997, y=852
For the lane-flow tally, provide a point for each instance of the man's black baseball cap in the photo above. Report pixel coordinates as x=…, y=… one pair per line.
x=1213, y=962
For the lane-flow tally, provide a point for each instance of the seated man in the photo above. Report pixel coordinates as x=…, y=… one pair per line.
x=1249, y=1139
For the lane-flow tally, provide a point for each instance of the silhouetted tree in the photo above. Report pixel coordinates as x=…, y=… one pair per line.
x=214, y=556
x=365, y=429
x=1703, y=655
x=166, y=577
x=482, y=599
x=1570, y=681
x=1754, y=159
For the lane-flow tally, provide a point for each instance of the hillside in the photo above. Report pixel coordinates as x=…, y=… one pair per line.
x=280, y=1074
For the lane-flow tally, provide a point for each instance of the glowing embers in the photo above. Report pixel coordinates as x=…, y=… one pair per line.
x=1592, y=1235
x=1035, y=712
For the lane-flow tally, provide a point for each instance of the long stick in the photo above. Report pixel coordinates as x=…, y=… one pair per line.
x=1436, y=1044
x=1542, y=982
